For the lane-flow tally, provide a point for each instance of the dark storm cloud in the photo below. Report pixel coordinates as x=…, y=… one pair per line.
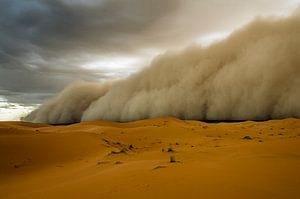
x=24, y=99
x=43, y=42
x=57, y=25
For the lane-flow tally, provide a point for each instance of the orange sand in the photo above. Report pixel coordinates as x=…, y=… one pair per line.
x=131, y=160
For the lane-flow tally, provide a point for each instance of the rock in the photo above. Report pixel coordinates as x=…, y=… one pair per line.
x=247, y=137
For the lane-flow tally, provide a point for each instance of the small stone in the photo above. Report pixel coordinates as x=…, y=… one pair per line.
x=247, y=137
x=159, y=167
x=172, y=159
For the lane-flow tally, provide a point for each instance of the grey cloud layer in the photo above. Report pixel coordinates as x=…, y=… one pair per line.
x=43, y=42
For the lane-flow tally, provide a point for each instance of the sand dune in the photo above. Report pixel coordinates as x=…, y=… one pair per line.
x=132, y=160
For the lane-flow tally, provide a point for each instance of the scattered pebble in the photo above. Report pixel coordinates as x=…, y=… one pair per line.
x=159, y=167
x=172, y=159
x=102, y=162
x=247, y=137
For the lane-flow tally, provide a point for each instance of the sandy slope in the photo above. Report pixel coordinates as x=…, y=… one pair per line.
x=131, y=160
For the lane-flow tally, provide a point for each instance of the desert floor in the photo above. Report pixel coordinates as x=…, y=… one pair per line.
x=132, y=160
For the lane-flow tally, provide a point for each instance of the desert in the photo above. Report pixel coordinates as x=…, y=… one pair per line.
x=133, y=160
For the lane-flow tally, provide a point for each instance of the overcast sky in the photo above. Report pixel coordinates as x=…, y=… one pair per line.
x=46, y=44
